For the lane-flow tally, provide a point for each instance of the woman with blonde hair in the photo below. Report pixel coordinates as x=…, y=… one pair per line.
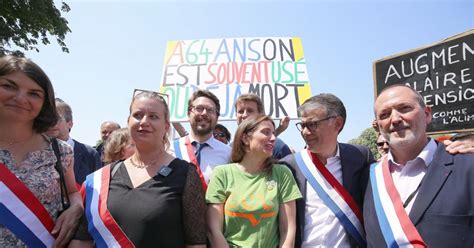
x=251, y=202
x=119, y=146
x=151, y=199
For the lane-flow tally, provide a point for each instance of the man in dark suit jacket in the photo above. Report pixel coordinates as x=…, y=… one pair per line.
x=322, y=119
x=431, y=191
x=86, y=159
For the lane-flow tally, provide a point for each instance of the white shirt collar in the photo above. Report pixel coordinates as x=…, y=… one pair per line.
x=426, y=154
x=70, y=141
x=211, y=142
x=334, y=158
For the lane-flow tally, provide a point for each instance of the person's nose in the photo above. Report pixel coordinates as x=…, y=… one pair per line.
x=21, y=96
x=396, y=117
x=204, y=112
x=245, y=115
x=144, y=120
x=273, y=138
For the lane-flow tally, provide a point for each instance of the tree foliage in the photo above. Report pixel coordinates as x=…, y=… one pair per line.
x=26, y=22
x=368, y=137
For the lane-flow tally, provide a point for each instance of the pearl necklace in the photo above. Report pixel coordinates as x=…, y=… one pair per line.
x=140, y=166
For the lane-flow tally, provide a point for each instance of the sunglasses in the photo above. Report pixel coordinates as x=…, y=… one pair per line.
x=217, y=135
x=164, y=97
x=382, y=143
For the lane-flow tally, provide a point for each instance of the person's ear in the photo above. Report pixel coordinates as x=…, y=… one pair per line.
x=338, y=122
x=428, y=114
x=245, y=139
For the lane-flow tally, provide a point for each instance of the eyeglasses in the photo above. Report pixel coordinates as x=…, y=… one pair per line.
x=137, y=92
x=311, y=125
x=219, y=135
x=382, y=143
x=200, y=109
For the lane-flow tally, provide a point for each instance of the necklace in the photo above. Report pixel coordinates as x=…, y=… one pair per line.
x=10, y=143
x=141, y=166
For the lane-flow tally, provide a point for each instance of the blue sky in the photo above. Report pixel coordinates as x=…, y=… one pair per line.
x=116, y=46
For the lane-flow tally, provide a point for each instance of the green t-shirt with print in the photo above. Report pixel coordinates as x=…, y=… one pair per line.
x=251, y=203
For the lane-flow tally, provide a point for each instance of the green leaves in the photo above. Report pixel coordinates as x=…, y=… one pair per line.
x=368, y=137
x=26, y=22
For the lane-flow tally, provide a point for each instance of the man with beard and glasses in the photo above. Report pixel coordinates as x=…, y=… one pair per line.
x=199, y=146
x=419, y=194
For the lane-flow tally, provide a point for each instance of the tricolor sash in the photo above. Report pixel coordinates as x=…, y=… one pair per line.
x=183, y=149
x=101, y=225
x=22, y=213
x=396, y=226
x=333, y=194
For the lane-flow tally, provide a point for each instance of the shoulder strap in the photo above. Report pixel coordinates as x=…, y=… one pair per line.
x=115, y=166
x=59, y=168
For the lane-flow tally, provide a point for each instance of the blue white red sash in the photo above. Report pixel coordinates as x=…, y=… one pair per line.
x=22, y=213
x=101, y=225
x=183, y=149
x=396, y=226
x=333, y=194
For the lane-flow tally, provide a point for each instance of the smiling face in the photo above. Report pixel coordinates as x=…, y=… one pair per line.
x=147, y=122
x=401, y=119
x=324, y=137
x=202, y=123
x=260, y=142
x=21, y=98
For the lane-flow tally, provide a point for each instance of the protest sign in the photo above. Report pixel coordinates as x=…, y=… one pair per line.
x=272, y=68
x=443, y=73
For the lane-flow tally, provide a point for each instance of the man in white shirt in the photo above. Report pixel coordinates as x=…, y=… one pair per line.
x=419, y=194
x=332, y=177
x=199, y=146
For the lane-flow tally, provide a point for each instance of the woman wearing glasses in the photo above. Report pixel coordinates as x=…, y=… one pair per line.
x=151, y=199
x=252, y=201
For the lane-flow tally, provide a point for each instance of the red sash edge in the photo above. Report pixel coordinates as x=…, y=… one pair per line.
x=26, y=196
x=337, y=186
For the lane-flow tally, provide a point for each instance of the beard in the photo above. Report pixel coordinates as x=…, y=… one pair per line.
x=401, y=138
x=202, y=126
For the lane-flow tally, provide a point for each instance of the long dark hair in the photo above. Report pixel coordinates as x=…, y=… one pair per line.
x=247, y=127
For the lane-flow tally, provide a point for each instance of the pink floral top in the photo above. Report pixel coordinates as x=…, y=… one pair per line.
x=37, y=172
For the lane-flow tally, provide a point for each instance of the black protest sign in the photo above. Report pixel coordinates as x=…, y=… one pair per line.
x=443, y=73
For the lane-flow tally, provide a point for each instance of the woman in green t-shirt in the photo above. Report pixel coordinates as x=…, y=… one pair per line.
x=252, y=200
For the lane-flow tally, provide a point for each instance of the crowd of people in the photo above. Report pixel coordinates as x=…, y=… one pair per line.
x=139, y=188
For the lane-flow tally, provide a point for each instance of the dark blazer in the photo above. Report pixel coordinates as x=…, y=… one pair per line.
x=86, y=161
x=444, y=207
x=355, y=162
